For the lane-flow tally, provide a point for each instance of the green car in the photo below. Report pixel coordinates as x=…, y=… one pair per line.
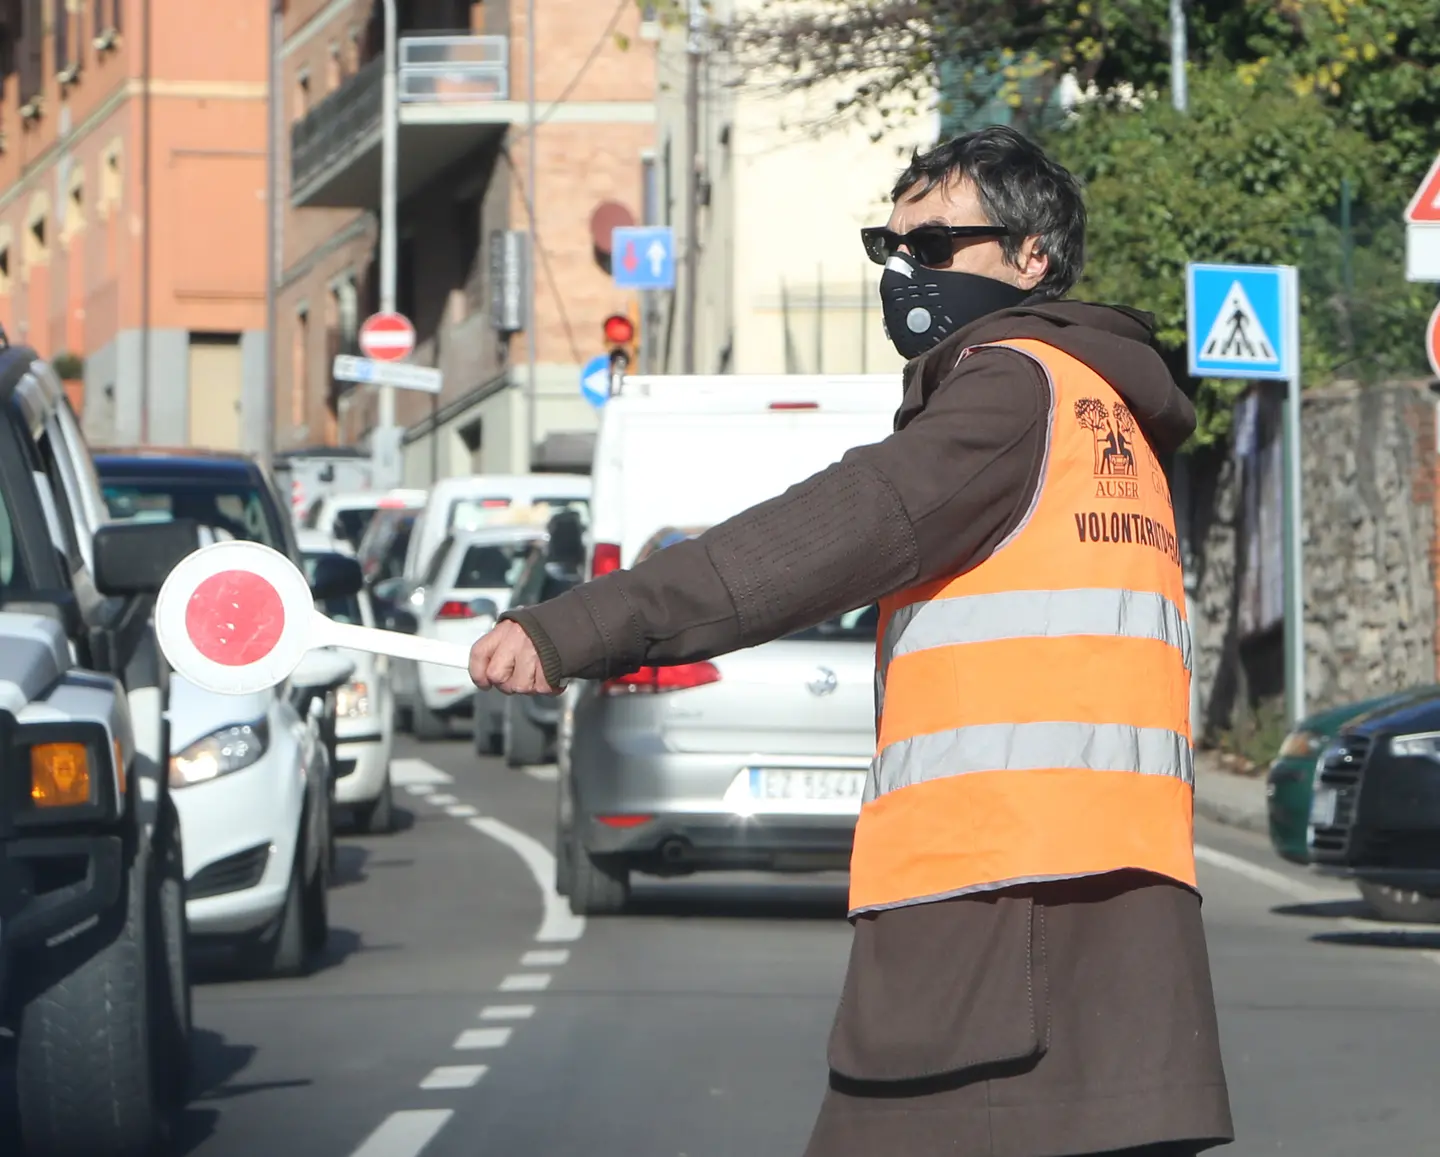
x=1287, y=786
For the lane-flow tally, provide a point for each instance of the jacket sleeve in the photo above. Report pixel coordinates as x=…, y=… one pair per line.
x=931, y=499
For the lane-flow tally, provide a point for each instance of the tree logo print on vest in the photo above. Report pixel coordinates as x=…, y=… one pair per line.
x=1115, y=433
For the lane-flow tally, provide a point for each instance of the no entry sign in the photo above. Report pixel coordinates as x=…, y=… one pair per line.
x=387, y=337
x=237, y=617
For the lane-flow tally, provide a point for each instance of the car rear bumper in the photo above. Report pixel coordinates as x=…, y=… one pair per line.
x=680, y=841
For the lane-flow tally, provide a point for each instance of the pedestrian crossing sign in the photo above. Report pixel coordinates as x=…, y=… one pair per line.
x=1242, y=321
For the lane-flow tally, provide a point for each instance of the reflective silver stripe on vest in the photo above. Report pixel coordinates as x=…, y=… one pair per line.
x=1030, y=747
x=1035, y=614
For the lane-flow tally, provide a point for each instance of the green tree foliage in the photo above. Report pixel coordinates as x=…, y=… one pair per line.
x=1251, y=173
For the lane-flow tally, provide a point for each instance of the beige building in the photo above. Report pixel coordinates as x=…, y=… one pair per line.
x=783, y=285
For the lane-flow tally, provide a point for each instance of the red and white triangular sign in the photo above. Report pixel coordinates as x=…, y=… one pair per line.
x=1424, y=207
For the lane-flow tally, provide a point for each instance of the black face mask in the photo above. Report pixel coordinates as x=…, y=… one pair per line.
x=921, y=305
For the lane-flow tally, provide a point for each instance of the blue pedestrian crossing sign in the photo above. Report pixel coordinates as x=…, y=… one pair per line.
x=595, y=380
x=643, y=257
x=1242, y=321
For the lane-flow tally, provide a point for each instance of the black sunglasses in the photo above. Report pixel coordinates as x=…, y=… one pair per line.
x=930, y=244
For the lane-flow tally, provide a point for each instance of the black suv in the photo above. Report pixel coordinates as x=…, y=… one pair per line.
x=93, y=981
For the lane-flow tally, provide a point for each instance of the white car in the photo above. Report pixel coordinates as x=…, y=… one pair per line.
x=251, y=775
x=346, y=516
x=364, y=712
x=466, y=586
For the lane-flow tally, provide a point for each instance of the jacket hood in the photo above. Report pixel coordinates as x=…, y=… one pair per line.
x=1116, y=342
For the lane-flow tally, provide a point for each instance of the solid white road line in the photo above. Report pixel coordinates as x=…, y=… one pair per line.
x=443, y=800
x=526, y=982
x=545, y=957
x=421, y=789
x=559, y=924
x=1260, y=875
x=404, y=1134
x=483, y=1038
x=461, y=810
x=408, y=771
x=545, y=773
x=507, y=1012
x=454, y=1077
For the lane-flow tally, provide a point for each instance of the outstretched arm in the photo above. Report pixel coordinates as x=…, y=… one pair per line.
x=933, y=498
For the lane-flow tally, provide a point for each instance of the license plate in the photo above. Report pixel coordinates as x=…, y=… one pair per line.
x=774, y=784
x=1322, y=807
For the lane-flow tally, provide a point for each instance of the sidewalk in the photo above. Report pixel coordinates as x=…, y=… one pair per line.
x=1227, y=798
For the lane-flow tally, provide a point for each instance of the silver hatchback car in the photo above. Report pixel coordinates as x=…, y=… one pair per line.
x=755, y=760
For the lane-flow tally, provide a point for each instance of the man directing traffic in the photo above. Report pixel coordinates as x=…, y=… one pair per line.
x=1029, y=974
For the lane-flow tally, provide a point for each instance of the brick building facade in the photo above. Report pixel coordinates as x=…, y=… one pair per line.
x=463, y=186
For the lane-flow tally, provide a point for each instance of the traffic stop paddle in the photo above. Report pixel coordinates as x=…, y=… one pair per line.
x=237, y=617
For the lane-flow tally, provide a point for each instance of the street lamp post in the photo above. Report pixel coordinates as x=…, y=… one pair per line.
x=385, y=447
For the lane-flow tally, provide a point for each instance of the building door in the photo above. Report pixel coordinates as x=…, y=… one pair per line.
x=215, y=385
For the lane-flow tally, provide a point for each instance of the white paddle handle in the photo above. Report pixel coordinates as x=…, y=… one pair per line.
x=328, y=633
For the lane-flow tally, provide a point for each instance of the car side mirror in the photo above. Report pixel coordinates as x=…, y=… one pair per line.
x=483, y=608
x=336, y=576
x=398, y=619
x=136, y=558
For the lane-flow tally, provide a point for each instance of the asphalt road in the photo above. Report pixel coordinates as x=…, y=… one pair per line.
x=463, y=1011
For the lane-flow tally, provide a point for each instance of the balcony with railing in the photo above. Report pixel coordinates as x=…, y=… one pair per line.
x=453, y=94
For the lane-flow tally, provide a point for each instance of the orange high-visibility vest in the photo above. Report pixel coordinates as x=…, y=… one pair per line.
x=1034, y=711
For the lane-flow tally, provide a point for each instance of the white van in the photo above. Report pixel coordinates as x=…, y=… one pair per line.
x=481, y=500
x=677, y=450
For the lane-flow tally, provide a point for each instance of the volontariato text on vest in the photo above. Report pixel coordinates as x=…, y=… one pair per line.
x=1034, y=710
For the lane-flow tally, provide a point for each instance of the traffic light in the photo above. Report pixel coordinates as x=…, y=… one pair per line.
x=622, y=339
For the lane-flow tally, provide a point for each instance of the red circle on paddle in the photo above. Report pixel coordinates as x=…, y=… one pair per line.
x=235, y=618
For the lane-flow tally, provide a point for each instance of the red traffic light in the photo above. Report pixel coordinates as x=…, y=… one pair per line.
x=619, y=329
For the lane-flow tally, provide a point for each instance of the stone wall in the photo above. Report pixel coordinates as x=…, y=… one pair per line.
x=1369, y=468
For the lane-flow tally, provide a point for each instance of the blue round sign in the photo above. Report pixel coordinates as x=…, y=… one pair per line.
x=595, y=380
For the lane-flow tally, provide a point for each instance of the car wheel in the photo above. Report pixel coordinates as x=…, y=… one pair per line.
x=524, y=740
x=563, y=857
x=1400, y=905
x=315, y=912
x=426, y=725
x=175, y=944
x=599, y=885
x=92, y=1072
x=377, y=818
x=283, y=952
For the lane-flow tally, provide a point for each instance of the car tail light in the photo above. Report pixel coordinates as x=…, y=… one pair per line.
x=454, y=609
x=494, y=503
x=794, y=405
x=653, y=680
x=624, y=821
x=605, y=559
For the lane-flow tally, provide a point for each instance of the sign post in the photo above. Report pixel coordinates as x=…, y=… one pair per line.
x=386, y=336
x=1243, y=321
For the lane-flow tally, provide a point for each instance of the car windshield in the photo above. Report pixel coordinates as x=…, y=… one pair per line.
x=240, y=511
x=350, y=525
x=342, y=610
x=491, y=566
x=475, y=513
x=12, y=573
x=382, y=551
x=855, y=626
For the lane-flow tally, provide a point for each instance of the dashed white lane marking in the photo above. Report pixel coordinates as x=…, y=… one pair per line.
x=545, y=957
x=559, y=924
x=526, y=982
x=483, y=1038
x=461, y=810
x=404, y=1134
x=407, y=771
x=507, y=1012
x=1260, y=875
x=443, y=800
x=545, y=773
x=454, y=1077
x=420, y=789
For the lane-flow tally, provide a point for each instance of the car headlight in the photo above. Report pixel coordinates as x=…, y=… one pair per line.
x=229, y=749
x=1425, y=744
x=352, y=701
x=1300, y=745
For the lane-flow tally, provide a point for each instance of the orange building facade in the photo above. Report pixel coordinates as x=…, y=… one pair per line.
x=132, y=209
